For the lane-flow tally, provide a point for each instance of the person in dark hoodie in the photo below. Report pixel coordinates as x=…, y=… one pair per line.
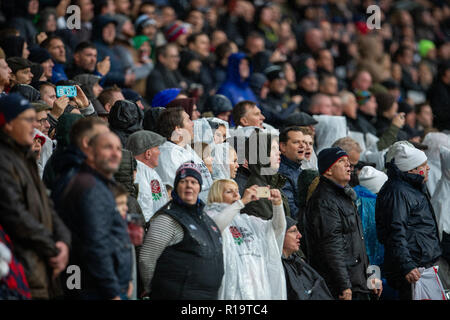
x=25, y=11
x=104, y=35
x=72, y=135
x=89, y=83
x=14, y=46
x=263, y=156
x=125, y=118
x=236, y=86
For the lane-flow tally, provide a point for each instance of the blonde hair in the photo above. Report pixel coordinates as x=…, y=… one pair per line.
x=216, y=191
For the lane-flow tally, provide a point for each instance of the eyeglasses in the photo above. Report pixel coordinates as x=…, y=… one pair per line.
x=42, y=121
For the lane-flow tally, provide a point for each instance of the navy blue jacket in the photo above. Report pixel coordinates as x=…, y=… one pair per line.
x=406, y=224
x=291, y=170
x=101, y=245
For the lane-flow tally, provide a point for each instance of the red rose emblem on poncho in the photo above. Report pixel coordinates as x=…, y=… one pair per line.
x=156, y=188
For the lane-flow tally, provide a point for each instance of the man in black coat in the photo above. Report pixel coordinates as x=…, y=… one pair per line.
x=166, y=74
x=333, y=230
x=406, y=224
x=439, y=97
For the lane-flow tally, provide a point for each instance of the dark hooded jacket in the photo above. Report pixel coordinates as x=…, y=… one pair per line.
x=406, y=224
x=12, y=46
x=263, y=207
x=234, y=88
x=64, y=159
x=116, y=74
x=125, y=118
x=87, y=82
x=23, y=21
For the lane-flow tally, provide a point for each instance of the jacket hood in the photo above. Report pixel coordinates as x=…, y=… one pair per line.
x=87, y=82
x=233, y=69
x=27, y=91
x=125, y=116
x=394, y=173
x=12, y=46
x=65, y=123
x=257, y=151
x=445, y=162
x=99, y=23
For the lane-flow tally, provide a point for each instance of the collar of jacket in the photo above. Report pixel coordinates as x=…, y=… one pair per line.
x=415, y=180
x=196, y=208
x=292, y=164
x=368, y=117
x=24, y=151
x=338, y=188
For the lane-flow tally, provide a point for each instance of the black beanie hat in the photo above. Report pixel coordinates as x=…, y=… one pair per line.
x=290, y=222
x=218, y=104
x=39, y=55
x=188, y=169
x=328, y=157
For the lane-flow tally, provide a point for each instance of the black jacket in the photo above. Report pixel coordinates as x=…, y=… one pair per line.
x=277, y=108
x=162, y=78
x=406, y=224
x=302, y=281
x=334, y=238
x=439, y=97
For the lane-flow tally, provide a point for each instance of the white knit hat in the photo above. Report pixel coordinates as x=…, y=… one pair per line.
x=372, y=178
x=408, y=158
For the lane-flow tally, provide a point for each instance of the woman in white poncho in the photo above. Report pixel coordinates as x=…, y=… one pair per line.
x=252, y=247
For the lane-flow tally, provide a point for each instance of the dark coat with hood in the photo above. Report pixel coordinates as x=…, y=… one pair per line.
x=235, y=88
x=263, y=207
x=63, y=158
x=334, y=238
x=12, y=46
x=116, y=74
x=125, y=118
x=27, y=215
x=23, y=21
x=406, y=224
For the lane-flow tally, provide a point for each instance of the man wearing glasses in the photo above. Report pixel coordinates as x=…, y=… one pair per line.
x=41, y=240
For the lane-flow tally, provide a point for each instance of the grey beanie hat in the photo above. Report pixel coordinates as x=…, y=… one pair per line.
x=142, y=140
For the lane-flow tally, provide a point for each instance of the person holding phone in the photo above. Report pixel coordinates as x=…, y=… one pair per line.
x=263, y=156
x=252, y=246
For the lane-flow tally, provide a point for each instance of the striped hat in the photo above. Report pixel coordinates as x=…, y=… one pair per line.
x=173, y=31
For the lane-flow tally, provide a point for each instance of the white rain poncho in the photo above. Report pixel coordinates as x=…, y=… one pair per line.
x=434, y=140
x=46, y=152
x=441, y=196
x=252, y=250
x=247, y=131
x=152, y=191
x=222, y=122
x=221, y=161
x=370, y=152
x=203, y=131
x=172, y=157
x=328, y=130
